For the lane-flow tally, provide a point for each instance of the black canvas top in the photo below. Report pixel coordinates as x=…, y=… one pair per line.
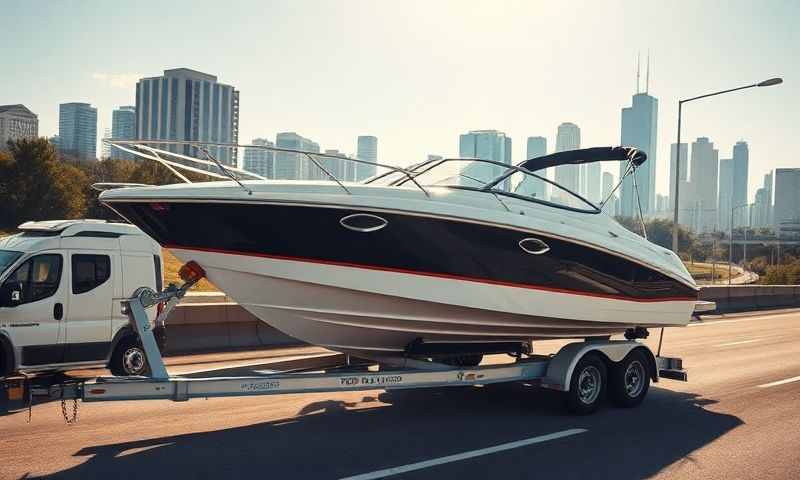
x=585, y=155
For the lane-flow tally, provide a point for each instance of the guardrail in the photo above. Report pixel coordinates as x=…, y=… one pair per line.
x=207, y=321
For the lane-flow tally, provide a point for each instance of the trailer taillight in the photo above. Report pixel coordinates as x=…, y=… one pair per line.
x=191, y=272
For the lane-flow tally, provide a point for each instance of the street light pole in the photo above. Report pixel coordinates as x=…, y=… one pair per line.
x=765, y=83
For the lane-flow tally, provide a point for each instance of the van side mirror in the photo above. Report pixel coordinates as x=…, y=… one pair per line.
x=10, y=295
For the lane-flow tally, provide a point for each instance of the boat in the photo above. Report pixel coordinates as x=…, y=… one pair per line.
x=452, y=256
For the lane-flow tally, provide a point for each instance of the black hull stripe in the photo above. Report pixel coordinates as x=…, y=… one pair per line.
x=433, y=274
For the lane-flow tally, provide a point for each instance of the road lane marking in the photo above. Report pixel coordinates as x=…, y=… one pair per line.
x=740, y=342
x=780, y=382
x=465, y=455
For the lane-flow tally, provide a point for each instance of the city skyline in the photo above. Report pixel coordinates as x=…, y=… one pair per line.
x=584, y=78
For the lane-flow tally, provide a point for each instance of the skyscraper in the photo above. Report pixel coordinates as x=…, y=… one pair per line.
x=704, y=175
x=486, y=145
x=608, y=185
x=335, y=166
x=16, y=121
x=295, y=166
x=185, y=104
x=639, y=126
x=725, y=193
x=123, y=127
x=568, y=137
x=762, y=208
x=531, y=186
x=684, y=170
x=77, y=130
x=368, y=151
x=787, y=199
x=104, y=147
x=741, y=161
x=259, y=160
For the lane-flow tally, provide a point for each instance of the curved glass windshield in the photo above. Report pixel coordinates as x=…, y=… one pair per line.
x=8, y=257
x=497, y=178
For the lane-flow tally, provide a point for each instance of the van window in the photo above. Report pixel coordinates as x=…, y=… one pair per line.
x=36, y=279
x=89, y=272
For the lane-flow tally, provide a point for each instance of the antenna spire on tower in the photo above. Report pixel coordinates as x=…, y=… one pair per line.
x=638, y=69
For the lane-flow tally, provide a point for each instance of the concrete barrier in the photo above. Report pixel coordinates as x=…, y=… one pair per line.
x=198, y=326
x=742, y=298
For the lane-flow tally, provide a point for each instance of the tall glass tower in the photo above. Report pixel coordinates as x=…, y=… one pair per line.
x=486, y=145
x=77, y=130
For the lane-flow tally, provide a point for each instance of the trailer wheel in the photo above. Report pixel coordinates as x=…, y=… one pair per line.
x=129, y=359
x=629, y=380
x=587, y=385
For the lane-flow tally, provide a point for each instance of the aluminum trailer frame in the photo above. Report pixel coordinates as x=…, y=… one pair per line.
x=554, y=372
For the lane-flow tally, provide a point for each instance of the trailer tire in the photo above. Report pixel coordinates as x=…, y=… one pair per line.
x=629, y=380
x=129, y=358
x=6, y=358
x=587, y=386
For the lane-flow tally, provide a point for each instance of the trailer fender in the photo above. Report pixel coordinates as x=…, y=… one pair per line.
x=561, y=366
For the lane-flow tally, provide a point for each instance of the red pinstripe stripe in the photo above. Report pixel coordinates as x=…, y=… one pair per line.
x=435, y=275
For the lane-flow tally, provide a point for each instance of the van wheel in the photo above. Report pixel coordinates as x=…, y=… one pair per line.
x=629, y=380
x=587, y=386
x=129, y=359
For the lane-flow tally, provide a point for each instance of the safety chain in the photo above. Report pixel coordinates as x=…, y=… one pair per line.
x=67, y=419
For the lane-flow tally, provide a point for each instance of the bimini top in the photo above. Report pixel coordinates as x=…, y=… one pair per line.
x=586, y=155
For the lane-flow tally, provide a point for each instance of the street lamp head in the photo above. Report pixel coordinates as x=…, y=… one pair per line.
x=770, y=82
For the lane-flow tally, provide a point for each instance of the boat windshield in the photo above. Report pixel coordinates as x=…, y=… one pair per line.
x=8, y=257
x=497, y=178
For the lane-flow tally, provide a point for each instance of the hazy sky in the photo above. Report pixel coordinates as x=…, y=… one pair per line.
x=417, y=74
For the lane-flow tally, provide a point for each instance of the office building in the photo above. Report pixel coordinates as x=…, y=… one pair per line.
x=486, y=145
x=672, y=170
x=704, y=176
x=531, y=186
x=77, y=130
x=741, y=161
x=610, y=206
x=104, y=147
x=336, y=167
x=295, y=166
x=725, y=193
x=259, y=160
x=368, y=151
x=16, y=122
x=786, y=213
x=568, y=137
x=123, y=127
x=185, y=104
x=639, y=126
x=761, y=213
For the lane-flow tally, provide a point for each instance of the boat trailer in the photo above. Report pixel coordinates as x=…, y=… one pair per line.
x=583, y=370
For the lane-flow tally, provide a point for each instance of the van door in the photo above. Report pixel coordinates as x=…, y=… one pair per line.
x=35, y=324
x=88, y=324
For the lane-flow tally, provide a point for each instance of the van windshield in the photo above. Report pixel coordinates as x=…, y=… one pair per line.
x=7, y=257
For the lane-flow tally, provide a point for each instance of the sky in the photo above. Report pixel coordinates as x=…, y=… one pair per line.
x=416, y=74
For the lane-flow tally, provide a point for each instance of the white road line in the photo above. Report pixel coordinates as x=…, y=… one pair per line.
x=465, y=455
x=740, y=342
x=780, y=382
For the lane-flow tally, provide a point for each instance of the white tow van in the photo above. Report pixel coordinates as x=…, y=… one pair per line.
x=61, y=283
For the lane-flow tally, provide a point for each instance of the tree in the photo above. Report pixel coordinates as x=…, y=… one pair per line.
x=659, y=231
x=36, y=186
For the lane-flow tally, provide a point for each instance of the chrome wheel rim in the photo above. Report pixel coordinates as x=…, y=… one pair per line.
x=133, y=361
x=635, y=378
x=589, y=384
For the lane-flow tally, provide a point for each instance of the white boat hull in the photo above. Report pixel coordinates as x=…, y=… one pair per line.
x=356, y=308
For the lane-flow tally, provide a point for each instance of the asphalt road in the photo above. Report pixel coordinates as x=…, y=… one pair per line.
x=737, y=417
